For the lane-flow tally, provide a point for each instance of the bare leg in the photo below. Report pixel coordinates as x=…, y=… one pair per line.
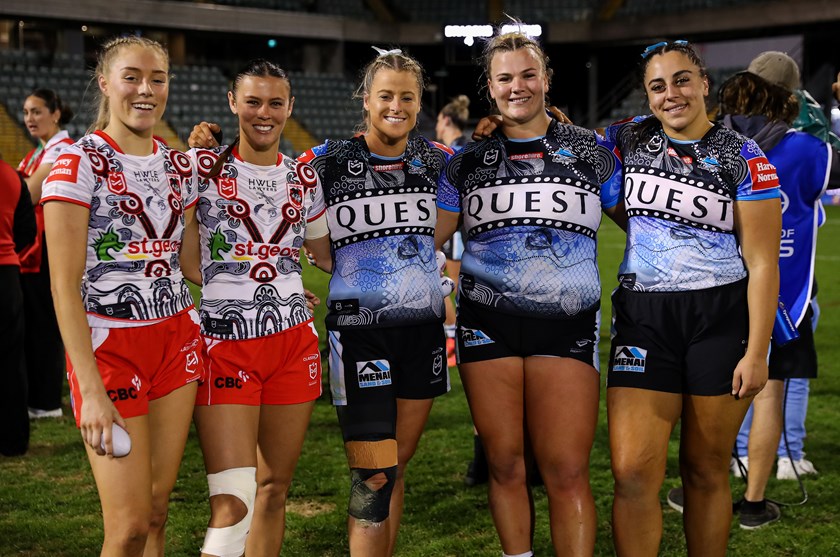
x=709, y=427
x=640, y=423
x=169, y=424
x=228, y=436
x=411, y=419
x=126, y=506
x=496, y=393
x=281, y=435
x=764, y=438
x=561, y=399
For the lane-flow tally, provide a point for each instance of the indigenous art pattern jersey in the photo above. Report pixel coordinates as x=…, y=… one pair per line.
x=803, y=162
x=531, y=210
x=136, y=223
x=680, y=199
x=381, y=215
x=253, y=222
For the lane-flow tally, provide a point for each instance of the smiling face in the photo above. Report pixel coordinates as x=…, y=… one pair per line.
x=392, y=106
x=136, y=84
x=41, y=123
x=518, y=83
x=263, y=105
x=676, y=91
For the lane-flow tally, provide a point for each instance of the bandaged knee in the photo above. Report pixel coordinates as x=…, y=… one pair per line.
x=368, y=459
x=229, y=541
x=366, y=503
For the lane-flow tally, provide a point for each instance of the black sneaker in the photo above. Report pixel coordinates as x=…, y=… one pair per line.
x=751, y=519
x=675, y=499
x=476, y=474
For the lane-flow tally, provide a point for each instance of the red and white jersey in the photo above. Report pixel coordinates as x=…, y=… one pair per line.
x=137, y=204
x=46, y=154
x=252, y=227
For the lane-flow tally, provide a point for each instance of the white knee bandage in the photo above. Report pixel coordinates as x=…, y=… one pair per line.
x=242, y=484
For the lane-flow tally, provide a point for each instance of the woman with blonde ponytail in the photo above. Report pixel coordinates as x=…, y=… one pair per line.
x=115, y=205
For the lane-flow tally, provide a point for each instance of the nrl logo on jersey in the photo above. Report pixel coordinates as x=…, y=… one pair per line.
x=116, y=183
x=491, y=157
x=227, y=187
x=355, y=167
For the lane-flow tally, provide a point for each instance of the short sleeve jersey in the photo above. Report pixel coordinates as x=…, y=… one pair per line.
x=137, y=204
x=252, y=227
x=531, y=210
x=803, y=163
x=680, y=199
x=381, y=216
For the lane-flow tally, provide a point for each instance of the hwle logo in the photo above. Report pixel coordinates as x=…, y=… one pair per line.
x=373, y=373
x=629, y=358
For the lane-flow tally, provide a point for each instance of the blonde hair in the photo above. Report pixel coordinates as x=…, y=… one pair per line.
x=107, y=54
x=392, y=60
x=510, y=42
x=458, y=111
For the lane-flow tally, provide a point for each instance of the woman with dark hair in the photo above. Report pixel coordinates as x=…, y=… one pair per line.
x=257, y=208
x=695, y=304
x=44, y=114
x=764, y=111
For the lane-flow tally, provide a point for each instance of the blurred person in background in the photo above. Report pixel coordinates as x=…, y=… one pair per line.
x=44, y=114
x=17, y=229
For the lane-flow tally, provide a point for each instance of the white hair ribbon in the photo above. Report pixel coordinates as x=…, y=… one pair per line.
x=383, y=52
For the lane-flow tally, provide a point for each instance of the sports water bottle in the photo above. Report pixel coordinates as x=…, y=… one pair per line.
x=784, y=330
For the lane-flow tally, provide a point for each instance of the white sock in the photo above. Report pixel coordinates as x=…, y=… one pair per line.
x=526, y=554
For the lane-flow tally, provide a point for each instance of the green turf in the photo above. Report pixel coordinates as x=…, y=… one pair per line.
x=49, y=507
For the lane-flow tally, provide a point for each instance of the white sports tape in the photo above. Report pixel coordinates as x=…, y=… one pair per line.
x=242, y=484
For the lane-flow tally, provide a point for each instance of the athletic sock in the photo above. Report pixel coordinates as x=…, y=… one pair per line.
x=526, y=554
x=753, y=507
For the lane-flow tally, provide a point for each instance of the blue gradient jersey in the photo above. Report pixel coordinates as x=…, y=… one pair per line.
x=680, y=199
x=803, y=163
x=381, y=216
x=531, y=210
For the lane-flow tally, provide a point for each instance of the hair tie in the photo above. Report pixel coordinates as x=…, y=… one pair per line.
x=383, y=52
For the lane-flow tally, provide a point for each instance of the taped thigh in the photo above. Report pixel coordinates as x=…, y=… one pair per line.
x=229, y=541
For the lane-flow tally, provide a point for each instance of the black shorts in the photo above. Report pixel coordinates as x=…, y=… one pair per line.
x=484, y=334
x=796, y=359
x=374, y=365
x=679, y=342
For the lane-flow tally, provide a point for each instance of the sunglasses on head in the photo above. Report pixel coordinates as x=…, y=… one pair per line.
x=649, y=50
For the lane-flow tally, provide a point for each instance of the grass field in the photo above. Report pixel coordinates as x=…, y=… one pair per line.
x=49, y=507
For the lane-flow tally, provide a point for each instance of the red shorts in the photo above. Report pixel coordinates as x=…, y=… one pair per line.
x=283, y=368
x=140, y=364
